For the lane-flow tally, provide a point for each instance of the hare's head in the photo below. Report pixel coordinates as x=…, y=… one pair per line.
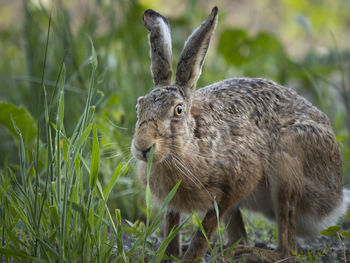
x=164, y=114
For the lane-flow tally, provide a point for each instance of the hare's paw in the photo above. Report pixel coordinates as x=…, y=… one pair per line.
x=252, y=254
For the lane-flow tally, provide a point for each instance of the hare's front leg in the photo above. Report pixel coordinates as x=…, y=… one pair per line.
x=199, y=244
x=235, y=226
x=172, y=220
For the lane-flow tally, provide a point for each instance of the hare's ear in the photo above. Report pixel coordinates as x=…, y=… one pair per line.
x=192, y=57
x=160, y=44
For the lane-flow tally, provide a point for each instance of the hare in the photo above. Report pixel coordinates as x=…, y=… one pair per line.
x=247, y=143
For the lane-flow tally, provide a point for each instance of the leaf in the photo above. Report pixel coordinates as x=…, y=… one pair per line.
x=228, y=250
x=54, y=215
x=148, y=189
x=347, y=215
x=16, y=253
x=93, y=57
x=199, y=223
x=113, y=180
x=9, y=230
x=261, y=55
x=22, y=155
x=24, y=120
x=148, y=200
x=346, y=233
x=100, y=191
x=77, y=207
x=234, y=46
x=149, y=163
x=330, y=230
x=162, y=247
x=48, y=247
x=238, y=49
x=95, y=159
x=305, y=23
x=165, y=203
x=218, y=229
x=266, y=44
x=82, y=138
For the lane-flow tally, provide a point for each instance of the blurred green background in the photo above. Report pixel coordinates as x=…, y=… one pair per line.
x=301, y=44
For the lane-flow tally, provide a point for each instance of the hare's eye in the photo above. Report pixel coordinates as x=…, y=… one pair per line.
x=136, y=107
x=178, y=110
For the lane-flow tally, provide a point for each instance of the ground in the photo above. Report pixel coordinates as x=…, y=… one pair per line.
x=321, y=249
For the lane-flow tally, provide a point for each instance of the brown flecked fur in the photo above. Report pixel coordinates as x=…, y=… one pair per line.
x=248, y=143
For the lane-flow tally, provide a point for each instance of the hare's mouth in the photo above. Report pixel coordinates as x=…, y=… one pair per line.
x=141, y=153
x=144, y=154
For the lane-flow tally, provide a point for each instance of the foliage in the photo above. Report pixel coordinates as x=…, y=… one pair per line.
x=309, y=256
x=338, y=233
x=58, y=212
x=264, y=50
x=68, y=109
x=10, y=113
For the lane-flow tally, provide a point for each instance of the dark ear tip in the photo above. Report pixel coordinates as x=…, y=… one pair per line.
x=213, y=13
x=146, y=13
x=150, y=16
x=149, y=12
x=147, y=18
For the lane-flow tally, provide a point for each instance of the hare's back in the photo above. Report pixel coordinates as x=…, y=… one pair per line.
x=283, y=120
x=263, y=102
x=278, y=120
x=270, y=114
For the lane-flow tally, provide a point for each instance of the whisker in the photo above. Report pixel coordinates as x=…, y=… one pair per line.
x=128, y=161
x=197, y=154
x=190, y=175
x=110, y=144
x=111, y=156
x=182, y=172
x=114, y=154
x=115, y=125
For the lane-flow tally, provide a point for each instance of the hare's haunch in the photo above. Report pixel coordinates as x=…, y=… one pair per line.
x=248, y=143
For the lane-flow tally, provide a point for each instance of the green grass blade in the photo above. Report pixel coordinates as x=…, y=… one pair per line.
x=228, y=250
x=82, y=139
x=165, y=203
x=113, y=180
x=11, y=236
x=54, y=215
x=91, y=86
x=19, y=210
x=148, y=189
x=59, y=127
x=218, y=230
x=161, y=249
x=199, y=223
x=18, y=254
x=119, y=234
x=148, y=197
x=93, y=58
x=95, y=159
x=49, y=248
x=22, y=156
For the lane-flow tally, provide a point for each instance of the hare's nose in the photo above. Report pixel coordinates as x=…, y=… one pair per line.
x=145, y=152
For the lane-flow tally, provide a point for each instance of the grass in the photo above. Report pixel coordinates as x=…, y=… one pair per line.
x=52, y=213
x=64, y=199
x=53, y=206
